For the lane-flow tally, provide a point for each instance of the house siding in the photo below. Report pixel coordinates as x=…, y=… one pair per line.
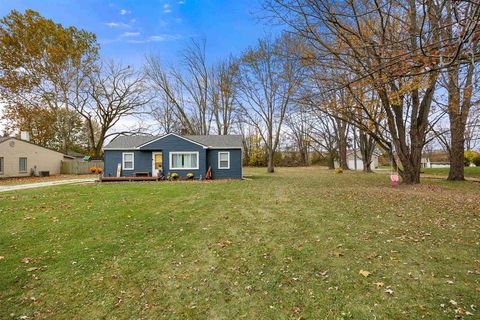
x=235, y=171
x=173, y=143
x=143, y=157
x=38, y=158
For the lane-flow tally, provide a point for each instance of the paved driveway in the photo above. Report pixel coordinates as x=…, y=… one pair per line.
x=44, y=184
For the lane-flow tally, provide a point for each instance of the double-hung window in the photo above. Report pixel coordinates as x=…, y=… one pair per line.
x=22, y=164
x=224, y=160
x=183, y=160
x=2, y=165
x=128, y=161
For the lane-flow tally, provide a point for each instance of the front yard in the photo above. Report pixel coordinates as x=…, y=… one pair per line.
x=298, y=244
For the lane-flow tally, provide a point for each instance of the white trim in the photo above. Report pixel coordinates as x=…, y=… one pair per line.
x=114, y=149
x=218, y=155
x=226, y=148
x=123, y=161
x=154, y=153
x=171, y=134
x=170, y=158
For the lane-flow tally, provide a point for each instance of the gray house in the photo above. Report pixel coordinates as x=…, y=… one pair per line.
x=128, y=156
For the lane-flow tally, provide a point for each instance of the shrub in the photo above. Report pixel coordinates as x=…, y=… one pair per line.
x=98, y=170
x=470, y=156
x=93, y=169
x=190, y=175
x=174, y=176
x=476, y=160
x=339, y=170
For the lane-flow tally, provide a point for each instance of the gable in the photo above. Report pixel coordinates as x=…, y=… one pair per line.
x=172, y=142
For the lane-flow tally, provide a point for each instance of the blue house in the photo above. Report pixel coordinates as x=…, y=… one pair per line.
x=162, y=155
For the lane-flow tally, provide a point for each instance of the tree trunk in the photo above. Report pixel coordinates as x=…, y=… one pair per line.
x=457, y=130
x=342, y=143
x=270, y=167
x=342, y=153
x=367, y=147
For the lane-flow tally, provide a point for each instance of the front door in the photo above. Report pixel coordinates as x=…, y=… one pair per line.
x=157, y=158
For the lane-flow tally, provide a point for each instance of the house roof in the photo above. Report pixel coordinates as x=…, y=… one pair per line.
x=3, y=139
x=208, y=141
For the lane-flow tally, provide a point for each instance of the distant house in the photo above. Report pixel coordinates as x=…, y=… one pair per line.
x=351, y=159
x=182, y=154
x=20, y=158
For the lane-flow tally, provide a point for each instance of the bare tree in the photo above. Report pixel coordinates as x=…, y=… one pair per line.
x=459, y=82
x=112, y=93
x=223, y=93
x=395, y=46
x=269, y=77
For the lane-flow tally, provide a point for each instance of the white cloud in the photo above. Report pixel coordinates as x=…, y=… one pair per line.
x=167, y=8
x=124, y=12
x=181, y=2
x=165, y=37
x=117, y=25
x=130, y=34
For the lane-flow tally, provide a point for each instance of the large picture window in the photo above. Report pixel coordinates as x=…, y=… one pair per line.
x=22, y=165
x=224, y=160
x=183, y=160
x=128, y=161
x=2, y=165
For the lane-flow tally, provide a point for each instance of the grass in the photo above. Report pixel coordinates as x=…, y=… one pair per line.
x=285, y=246
x=470, y=172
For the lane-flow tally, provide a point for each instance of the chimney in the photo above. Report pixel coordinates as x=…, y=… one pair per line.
x=25, y=135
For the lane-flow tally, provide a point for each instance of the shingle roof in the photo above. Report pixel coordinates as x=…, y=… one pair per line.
x=211, y=141
x=217, y=141
x=128, y=142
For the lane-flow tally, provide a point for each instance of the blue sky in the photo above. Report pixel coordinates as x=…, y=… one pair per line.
x=129, y=29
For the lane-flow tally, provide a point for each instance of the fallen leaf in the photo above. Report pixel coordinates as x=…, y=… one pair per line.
x=32, y=269
x=296, y=309
x=379, y=284
x=389, y=291
x=365, y=273
x=26, y=260
x=2, y=258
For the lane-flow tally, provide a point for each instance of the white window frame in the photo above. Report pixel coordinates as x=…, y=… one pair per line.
x=26, y=164
x=170, y=156
x=123, y=161
x=2, y=165
x=219, y=166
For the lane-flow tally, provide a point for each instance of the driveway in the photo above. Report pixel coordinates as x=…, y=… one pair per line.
x=6, y=188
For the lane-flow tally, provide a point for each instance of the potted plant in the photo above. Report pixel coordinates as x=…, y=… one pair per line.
x=190, y=176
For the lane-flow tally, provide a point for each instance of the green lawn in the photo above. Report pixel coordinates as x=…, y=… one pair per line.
x=285, y=246
x=470, y=172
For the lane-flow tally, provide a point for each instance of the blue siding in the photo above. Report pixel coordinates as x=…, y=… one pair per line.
x=207, y=157
x=235, y=171
x=142, y=162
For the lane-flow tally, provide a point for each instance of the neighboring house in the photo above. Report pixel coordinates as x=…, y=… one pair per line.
x=351, y=159
x=149, y=155
x=20, y=158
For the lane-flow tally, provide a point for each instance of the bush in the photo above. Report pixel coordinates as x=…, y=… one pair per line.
x=173, y=176
x=190, y=175
x=476, y=160
x=339, y=170
x=470, y=156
